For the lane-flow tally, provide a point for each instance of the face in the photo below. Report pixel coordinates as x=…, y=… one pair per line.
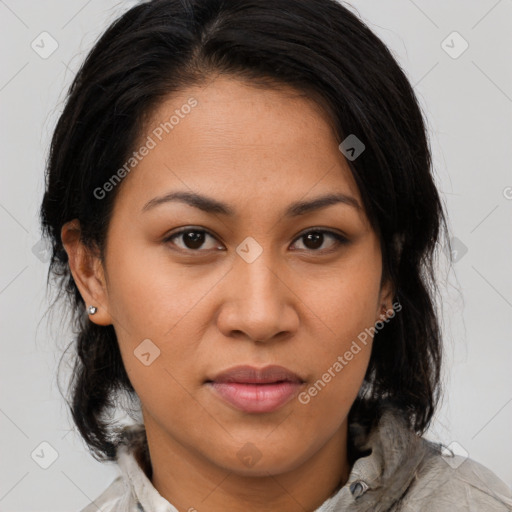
x=249, y=276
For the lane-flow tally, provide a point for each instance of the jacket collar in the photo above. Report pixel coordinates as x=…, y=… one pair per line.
x=386, y=458
x=390, y=453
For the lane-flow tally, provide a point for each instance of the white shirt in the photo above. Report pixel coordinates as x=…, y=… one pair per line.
x=402, y=472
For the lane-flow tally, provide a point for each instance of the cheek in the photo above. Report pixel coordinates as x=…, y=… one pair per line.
x=337, y=375
x=148, y=295
x=343, y=341
x=156, y=312
x=346, y=308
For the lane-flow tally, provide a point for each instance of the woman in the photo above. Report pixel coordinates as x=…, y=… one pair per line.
x=242, y=210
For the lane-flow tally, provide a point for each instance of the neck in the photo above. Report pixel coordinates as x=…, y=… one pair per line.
x=191, y=482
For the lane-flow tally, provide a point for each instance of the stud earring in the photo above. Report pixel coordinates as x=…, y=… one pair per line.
x=92, y=309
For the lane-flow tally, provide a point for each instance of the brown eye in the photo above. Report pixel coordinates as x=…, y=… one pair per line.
x=194, y=240
x=314, y=239
x=191, y=239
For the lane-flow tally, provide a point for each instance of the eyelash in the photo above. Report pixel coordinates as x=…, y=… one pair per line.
x=339, y=239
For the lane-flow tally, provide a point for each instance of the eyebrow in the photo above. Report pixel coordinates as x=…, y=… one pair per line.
x=210, y=205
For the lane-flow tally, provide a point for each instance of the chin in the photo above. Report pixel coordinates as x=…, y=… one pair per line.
x=260, y=459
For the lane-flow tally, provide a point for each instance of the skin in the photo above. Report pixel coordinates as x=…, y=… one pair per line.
x=298, y=304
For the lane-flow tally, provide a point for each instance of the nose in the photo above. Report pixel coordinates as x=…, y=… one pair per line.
x=257, y=302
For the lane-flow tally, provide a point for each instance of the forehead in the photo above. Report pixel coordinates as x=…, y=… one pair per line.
x=241, y=142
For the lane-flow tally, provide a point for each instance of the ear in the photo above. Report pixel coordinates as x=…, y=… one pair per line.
x=87, y=271
x=385, y=304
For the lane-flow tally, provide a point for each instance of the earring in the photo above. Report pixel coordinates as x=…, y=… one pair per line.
x=384, y=310
x=92, y=309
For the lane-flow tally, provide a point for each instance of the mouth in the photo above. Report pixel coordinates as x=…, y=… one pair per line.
x=254, y=390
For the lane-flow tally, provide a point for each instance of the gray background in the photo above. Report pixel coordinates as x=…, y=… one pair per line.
x=468, y=103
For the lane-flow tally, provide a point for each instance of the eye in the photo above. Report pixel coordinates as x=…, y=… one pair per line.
x=315, y=238
x=192, y=239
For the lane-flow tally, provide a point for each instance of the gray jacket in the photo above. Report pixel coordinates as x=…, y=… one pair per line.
x=399, y=472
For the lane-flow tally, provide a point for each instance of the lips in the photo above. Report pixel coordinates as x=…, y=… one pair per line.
x=256, y=390
x=252, y=375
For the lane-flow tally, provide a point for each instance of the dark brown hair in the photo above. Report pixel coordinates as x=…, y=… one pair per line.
x=323, y=50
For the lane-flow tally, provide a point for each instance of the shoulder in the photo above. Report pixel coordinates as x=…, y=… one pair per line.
x=455, y=483
x=404, y=472
x=110, y=500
